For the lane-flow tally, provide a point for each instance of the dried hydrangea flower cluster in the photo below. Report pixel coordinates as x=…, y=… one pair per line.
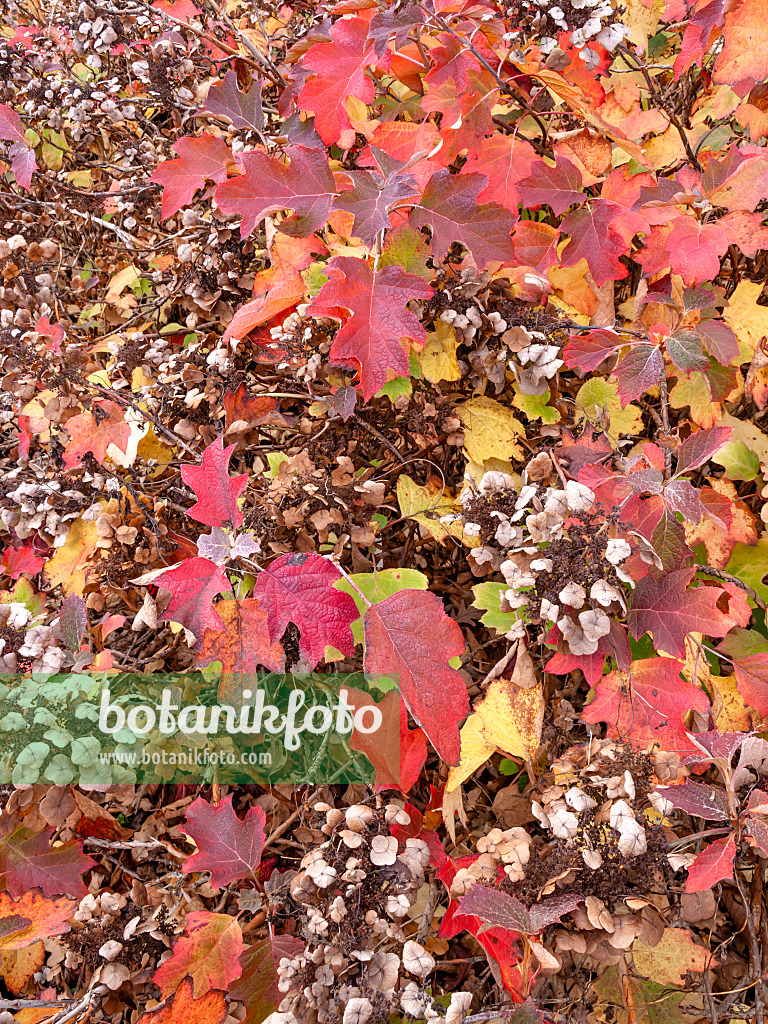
x=585, y=21
x=597, y=843
x=554, y=548
x=354, y=892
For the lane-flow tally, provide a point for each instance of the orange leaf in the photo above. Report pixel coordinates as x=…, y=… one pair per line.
x=32, y=917
x=182, y=1008
x=206, y=953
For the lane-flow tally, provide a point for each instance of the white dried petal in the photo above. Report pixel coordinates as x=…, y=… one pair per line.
x=579, y=645
x=632, y=839
x=542, y=564
x=416, y=960
x=458, y=1007
x=617, y=550
x=594, y=623
x=383, y=850
x=578, y=800
x=412, y=1001
x=580, y=498
x=592, y=859
x=494, y=481
x=545, y=958
x=602, y=592
x=382, y=971
x=573, y=595
x=563, y=823
x=548, y=610
x=357, y=1011
x=556, y=503
x=525, y=496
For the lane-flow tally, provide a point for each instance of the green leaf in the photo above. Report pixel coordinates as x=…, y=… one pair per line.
x=750, y=563
x=407, y=248
x=394, y=389
x=536, y=407
x=738, y=461
x=488, y=597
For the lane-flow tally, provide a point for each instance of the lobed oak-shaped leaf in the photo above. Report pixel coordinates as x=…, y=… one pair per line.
x=243, y=109
x=183, y=1008
x=201, y=159
x=600, y=234
x=396, y=752
x=217, y=492
x=558, y=187
x=31, y=917
x=94, y=433
x=449, y=207
x=193, y=584
x=229, y=847
x=299, y=588
x=267, y=185
x=242, y=646
x=666, y=608
x=371, y=197
x=712, y=865
x=207, y=951
x=646, y=705
x=373, y=305
x=588, y=350
x=28, y=861
x=410, y=635
x=257, y=985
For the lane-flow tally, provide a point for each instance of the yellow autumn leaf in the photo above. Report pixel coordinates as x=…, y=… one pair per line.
x=68, y=566
x=668, y=962
x=747, y=320
x=746, y=432
x=642, y=18
x=475, y=751
x=598, y=396
x=123, y=279
x=438, y=360
x=490, y=430
x=427, y=504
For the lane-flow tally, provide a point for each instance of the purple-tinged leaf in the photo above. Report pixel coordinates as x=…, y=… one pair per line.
x=686, y=351
x=588, y=350
x=558, y=187
x=700, y=447
x=500, y=910
x=682, y=496
x=722, y=343
x=344, y=402
x=371, y=198
x=698, y=800
x=647, y=481
x=758, y=834
x=243, y=109
x=23, y=164
x=639, y=370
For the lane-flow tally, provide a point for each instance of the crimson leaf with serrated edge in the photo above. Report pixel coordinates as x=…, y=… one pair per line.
x=305, y=186
x=193, y=584
x=646, y=705
x=410, y=636
x=449, y=207
x=372, y=304
x=559, y=186
x=669, y=611
x=217, y=492
x=200, y=159
x=501, y=910
x=27, y=860
x=208, y=950
x=712, y=865
x=299, y=588
x=700, y=447
x=242, y=646
x=588, y=350
x=601, y=234
x=229, y=847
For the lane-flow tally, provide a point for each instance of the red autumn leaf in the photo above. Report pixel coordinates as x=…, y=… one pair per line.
x=267, y=185
x=299, y=588
x=737, y=181
x=193, y=584
x=207, y=951
x=372, y=304
x=615, y=645
x=94, y=432
x=743, y=60
x=646, y=705
x=703, y=26
x=22, y=560
x=402, y=140
x=217, y=492
x=11, y=125
x=409, y=635
x=695, y=249
x=700, y=447
x=712, y=865
x=277, y=289
x=587, y=350
x=201, y=158
x=243, y=109
x=370, y=199
x=449, y=207
x=639, y=370
x=467, y=118
x=505, y=159
x=242, y=645
x=669, y=611
x=183, y=1008
x=722, y=344
x=391, y=22
x=686, y=351
x=535, y=245
x=748, y=650
x=31, y=917
x=600, y=234
x=229, y=847
x=27, y=860
x=240, y=407
x=257, y=985
x=23, y=162
x=395, y=751
x=558, y=187
x=338, y=71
